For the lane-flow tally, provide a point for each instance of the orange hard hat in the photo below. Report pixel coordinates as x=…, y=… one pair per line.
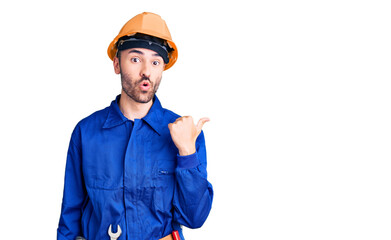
x=149, y=24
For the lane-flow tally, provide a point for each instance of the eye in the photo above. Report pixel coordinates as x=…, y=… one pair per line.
x=156, y=63
x=135, y=59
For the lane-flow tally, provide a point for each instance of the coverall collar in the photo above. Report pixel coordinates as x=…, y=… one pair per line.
x=115, y=117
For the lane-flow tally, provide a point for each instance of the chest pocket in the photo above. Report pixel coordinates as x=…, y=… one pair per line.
x=103, y=157
x=103, y=164
x=166, y=163
x=165, y=184
x=104, y=173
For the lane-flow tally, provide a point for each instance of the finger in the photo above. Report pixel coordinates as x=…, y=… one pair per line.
x=201, y=123
x=188, y=118
x=182, y=118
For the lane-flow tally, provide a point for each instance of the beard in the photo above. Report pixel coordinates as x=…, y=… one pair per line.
x=132, y=89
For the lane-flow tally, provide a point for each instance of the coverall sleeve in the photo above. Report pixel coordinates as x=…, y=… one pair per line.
x=193, y=193
x=69, y=226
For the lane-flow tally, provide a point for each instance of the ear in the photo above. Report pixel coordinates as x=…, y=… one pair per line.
x=117, y=68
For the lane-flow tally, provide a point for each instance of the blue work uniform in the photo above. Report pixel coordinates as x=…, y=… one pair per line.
x=129, y=174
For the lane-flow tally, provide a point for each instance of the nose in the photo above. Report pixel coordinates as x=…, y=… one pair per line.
x=145, y=70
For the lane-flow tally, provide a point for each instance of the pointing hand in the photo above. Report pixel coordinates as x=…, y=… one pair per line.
x=184, y=133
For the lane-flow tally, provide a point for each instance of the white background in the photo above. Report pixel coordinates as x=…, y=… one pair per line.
x=298, y=93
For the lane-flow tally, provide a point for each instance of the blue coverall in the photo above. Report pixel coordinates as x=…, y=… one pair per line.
x=129, y=174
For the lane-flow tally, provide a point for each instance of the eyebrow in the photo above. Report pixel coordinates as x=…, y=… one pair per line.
x=136, y=51
x=141, y=53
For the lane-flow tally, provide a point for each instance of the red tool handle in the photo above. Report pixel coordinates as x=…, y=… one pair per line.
x=175, y=235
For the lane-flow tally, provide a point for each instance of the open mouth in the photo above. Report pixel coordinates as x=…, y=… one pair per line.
x=145, y=85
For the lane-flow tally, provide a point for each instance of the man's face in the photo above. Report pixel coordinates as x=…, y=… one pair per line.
x=141, y=72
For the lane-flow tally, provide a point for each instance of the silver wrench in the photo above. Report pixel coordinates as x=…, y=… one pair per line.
x=114, y=236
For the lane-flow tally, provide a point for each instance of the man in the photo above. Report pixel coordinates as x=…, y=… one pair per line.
x=134, y=169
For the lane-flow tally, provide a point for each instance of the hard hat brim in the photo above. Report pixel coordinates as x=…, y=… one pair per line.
x=173, y=55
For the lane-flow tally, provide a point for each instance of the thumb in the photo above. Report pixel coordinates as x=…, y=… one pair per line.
x=201, y=123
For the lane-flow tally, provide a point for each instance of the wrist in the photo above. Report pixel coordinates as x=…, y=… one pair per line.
x=187, y=151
